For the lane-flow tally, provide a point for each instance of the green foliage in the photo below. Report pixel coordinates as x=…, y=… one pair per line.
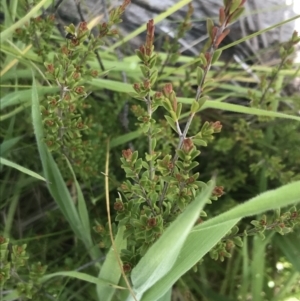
x=14, y=267
x=165, y=217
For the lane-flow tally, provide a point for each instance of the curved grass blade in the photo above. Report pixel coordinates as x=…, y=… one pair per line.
x=161, y=256
x=21, y=169
x=110, y=270
x=80, y=276
x=203, y=237
x=57, y=186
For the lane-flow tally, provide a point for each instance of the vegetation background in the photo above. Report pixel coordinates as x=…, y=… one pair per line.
x=57, y=218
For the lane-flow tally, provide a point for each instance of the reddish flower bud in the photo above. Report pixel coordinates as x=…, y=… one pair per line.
x=51, y=17
x=67, y=96
x=229, y=245
x=126, y=267
x=150, y=37
x=76, y=75
x=75, y=42
x=151, y=222
x=83, y=26
x=118, y=206
x=207, y=56
x=218, y=191
x=216, y=126
x=168, y=89
x=137, y=87
x=49, y=122
x=127, y=154
x=50, y=68
x=114, y=32
x=80, y=125
x=142, y=50
x=79, y=90
x=222, y=15
x=147, y=84
x=158, y=96
x=94, y=73
x=187, y=145
x=65, y=50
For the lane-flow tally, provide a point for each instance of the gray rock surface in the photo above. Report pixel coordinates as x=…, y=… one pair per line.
x=259, y=15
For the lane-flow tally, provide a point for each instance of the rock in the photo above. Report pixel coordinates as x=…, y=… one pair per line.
x=258, y=15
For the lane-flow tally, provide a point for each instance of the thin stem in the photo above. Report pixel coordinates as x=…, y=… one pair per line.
x=144, y=195
x=272, y=80
x=150, y=150
x=115, y=249
x=182, y=137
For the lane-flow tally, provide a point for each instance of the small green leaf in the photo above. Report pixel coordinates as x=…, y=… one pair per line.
x=216, y=56
x=195, y=106
x=200, y=75
x=171, y=122
x=209, y=27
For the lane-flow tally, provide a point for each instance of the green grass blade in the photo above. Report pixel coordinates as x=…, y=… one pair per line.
x=110, y=270
x=57, y=186
x=257, y=33
x=195, y=247
x=21, y=169
x=80, y=276
x=12, y=296
x=290, y=247
x=161, y=256
x=5, y=34
x=239, y=109
x=82, y=209
x=167, y=296
x=112, y=85
x=245, y=271
x=14, y=112
x=205, y=236
x=126, y=88
x=258, y=266
x=123, y=139
x=21, y=96
x=283, y=196
x=13, y=204
x=7, y=144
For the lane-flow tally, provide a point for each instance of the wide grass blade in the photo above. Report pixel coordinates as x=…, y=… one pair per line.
x=195, y=247
x=126, y=88
x=258, y=266
x=110, y=270
x=161, y=256
x=57, y=186
x=203, y=237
